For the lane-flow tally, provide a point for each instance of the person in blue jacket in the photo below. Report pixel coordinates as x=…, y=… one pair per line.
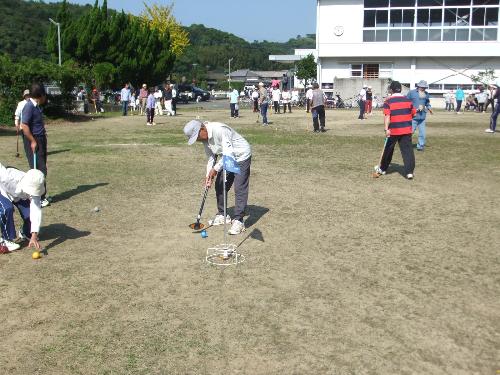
x=421, y=102
x=459, y=96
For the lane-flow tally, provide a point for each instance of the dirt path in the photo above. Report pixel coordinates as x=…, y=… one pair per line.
x=344, y=274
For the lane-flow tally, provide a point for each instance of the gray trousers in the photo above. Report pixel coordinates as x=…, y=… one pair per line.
x=241, y=183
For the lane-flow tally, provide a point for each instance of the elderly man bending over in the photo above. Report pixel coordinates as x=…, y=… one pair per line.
x=23, y=191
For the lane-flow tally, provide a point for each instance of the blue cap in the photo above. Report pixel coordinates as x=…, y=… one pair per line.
x=191, y=130
x=423, y=84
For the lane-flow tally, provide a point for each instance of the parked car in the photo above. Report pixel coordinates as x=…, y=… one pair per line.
x=188, y=93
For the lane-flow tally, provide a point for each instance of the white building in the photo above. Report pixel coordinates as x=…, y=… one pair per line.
x=441, y=41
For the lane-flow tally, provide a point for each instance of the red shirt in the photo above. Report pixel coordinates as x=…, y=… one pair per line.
x=401, y=112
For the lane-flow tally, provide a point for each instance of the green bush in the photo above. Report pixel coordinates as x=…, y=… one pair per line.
x=15, y=77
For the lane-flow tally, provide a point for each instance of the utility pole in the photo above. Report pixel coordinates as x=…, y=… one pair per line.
x=58, y=37
x=229, y=79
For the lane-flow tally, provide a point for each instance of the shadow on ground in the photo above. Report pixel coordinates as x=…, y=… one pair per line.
x=54, y=152
x=255, y=213
x=75, y=191
x=396, y=168
x=60, y=233
x=256, y=234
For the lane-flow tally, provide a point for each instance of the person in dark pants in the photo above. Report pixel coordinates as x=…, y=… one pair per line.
x=125, y=98
x=221, y=140
x=22, y=191
x=34, y=134
x=318, y=108
x=490, y=100
x=398, y=115
x=459, y=96
x=496, y=112
x=362, y=102
x=174, y=99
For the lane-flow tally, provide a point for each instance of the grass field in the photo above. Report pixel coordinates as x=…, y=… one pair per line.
x=344, y=274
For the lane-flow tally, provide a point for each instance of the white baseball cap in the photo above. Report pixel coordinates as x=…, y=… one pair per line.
x=32, y=183
x=191, y=130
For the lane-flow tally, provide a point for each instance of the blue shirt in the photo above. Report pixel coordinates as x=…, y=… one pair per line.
x=420, y=104
x=33, y=117
x=459, y=94
x=234, y=96
x=125, y=95
x=150, y=101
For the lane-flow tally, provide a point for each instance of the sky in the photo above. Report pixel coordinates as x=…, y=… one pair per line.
x=272, y=20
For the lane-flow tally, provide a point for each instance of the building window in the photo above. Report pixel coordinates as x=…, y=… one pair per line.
x=356, y=70
x=367, y=71
x=483, y=34
x=385, y=70
x=430, y=20
x=368, y=35
x=370, y=70
x=429, y=3
x=376, y=3
x=402, y=3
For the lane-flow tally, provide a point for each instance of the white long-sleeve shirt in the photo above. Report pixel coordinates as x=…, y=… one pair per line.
x=19, y=110
x=9, y=178
x=223, y=140
x=285, y=95
x=276, y=95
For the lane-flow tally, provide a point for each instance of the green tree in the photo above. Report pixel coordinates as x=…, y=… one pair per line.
x=307, y=69
x=104, y=75
x=486, y=77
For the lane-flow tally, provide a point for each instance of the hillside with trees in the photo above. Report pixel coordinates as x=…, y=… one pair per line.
x=25, y=27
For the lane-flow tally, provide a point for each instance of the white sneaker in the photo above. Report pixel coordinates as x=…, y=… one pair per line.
x=237, y=227
x=12, y=246
x=489, y=131
x=219, y=220
x=378, y=170
x=45, y=203
x=409, y=176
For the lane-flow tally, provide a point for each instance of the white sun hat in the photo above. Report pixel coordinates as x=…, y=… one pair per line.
x=32, y=183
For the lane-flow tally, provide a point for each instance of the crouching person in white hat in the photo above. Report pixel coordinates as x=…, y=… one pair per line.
x=219, y=139
x=22, y=190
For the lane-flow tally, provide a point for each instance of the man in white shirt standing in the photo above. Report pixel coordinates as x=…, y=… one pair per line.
x=221, y=140
x=158, y=96
x=285, y=97
x=233, y=103
x=276, y=94
x=362, y=102
x=125, y=98
x=255, y=99
x=19, y=109
x=23, y=191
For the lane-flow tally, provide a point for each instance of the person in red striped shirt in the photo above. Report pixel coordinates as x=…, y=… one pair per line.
x=398, y=115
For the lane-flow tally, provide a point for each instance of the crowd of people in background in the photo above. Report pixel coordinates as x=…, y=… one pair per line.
x=134, y=101
x=161, y=100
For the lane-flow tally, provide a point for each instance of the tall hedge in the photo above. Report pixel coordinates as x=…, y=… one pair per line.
x=15, y=77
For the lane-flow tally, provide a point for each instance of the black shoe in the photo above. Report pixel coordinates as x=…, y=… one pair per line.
x=322, y=130
x=316, y=131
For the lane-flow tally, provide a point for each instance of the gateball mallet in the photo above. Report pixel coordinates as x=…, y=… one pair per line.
x=197, y=225
x=17, y=143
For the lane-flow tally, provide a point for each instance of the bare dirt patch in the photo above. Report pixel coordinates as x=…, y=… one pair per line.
x=344, y=274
